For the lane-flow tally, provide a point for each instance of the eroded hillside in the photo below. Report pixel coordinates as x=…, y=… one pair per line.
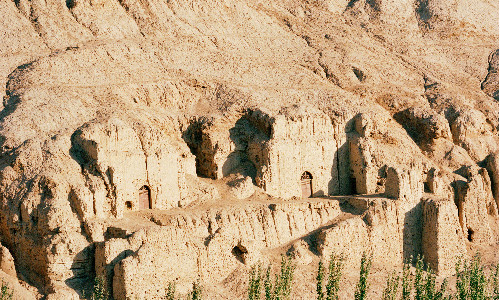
x=151, y=140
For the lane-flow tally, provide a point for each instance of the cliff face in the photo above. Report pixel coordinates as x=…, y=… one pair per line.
x=111, y=107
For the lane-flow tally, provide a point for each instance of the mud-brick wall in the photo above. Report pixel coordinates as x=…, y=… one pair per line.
x=185, y=247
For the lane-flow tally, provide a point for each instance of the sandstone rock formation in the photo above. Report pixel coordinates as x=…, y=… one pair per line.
x=136, y=135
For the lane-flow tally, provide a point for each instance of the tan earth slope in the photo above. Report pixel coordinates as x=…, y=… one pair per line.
x=146, y=141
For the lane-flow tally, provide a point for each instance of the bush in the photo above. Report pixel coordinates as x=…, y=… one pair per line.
x=406, y=282
x=362, y=286
x=391, y=288
x=334, y=275
x=425, y=283
x=319, y=281
x=254, y=284
x=100, y=291
x=282, y=287
x=170, y=291
x=472, y=281
x=494, y=283
x=5, y=292
x=196, y=294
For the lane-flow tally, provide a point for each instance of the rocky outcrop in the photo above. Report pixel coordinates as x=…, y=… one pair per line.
x=388, y=229
x=275, y=150
x=475, y=203
x=297, y=141
x=424, y=125
x=490, y=83
x=112, y=109
x=407, y=184
x=472, y=131
x=492, y=165
x=370, y=160
x=7, y=262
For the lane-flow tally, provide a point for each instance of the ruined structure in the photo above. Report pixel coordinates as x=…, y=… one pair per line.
x=153, y=141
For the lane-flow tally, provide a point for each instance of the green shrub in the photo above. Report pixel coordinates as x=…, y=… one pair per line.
x=472, y=282
x=425, y=283
x=5, y=292
x=268, y=285
x=494, y=283
x=334, y=275
x=319, y=281
x=471, y=279
x=170, y=291
x=254, y=284
x=282, y=286
x=406, y=282
x=391, y=288
x=196, y=294
x=363, y=285
x=100, y=291
x=283, y=282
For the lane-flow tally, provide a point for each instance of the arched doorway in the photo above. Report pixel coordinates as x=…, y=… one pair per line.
x=144, y=197
x=306, y=184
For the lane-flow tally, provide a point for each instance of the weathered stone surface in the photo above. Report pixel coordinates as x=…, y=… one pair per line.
x=210, y=245
x=348, y=237
x=119, y=161
x=299, y=252
x=299, y=139
x=385, y=230
x=101, y=98
x=370, y=160
x=472, y=131
x=443, y=241
x=7, y=262
x=492, y=165
x=424, y=125
x=490, y=83
x=406, y=184
x=242, y=187
x=475, y=202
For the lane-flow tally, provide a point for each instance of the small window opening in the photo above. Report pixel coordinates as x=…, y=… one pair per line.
x=470, y=234
x=70, y=4
x=427, y=188
x=128, y=205
x=239, y=252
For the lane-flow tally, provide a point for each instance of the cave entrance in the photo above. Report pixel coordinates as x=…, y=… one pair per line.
x=306, y=184
x=144, y=197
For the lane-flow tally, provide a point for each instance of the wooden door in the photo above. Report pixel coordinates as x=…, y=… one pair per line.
x=144, y=198
x=305, y=185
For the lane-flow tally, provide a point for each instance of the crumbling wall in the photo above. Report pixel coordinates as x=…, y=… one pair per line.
x=405, y=184
x=348, y=238
x=302, y=139
x=118, y=160
x=443, y=241
x=184, y=247
x=275, y=149
x=377, y=144
x=384, y=230
x=475, y=201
